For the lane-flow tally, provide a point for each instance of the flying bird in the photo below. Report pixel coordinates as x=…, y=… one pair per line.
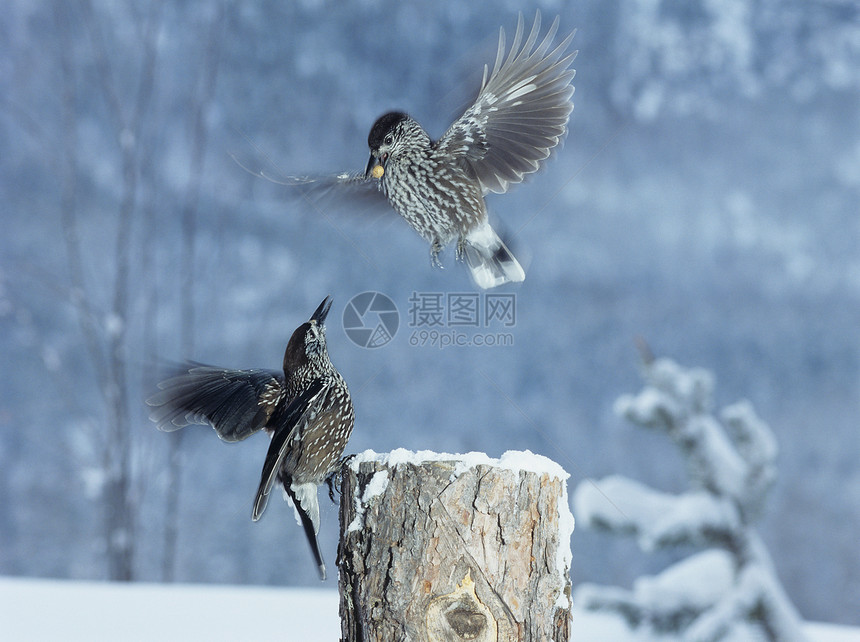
x=520, y=114
x=306, y=409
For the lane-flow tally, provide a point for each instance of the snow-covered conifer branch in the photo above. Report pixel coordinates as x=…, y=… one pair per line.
x=730, y=588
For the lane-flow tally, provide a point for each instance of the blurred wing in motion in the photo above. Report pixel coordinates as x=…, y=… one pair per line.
x=327, y=191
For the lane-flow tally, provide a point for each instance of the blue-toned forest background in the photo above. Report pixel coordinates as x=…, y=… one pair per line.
x=707, y=199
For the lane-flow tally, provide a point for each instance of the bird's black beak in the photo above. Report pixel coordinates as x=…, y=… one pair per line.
x=370, y=165
x=321, y=312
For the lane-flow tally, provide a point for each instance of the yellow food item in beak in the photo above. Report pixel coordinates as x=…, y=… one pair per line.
x=377, y=171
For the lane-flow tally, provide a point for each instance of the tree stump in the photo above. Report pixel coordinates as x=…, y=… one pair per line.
x=442, y=548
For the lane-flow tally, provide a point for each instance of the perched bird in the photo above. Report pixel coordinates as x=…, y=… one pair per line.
x=520, y=114
x=306, y=409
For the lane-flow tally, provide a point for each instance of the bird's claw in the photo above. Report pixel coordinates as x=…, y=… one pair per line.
x=335, y=478
x=330, y=481
x=461, y=249
x=435, y=250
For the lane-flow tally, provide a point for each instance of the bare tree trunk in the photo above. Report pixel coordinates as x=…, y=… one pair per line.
x=442, y=548
x=117, y=455
x=115, y=491
x=203, y=97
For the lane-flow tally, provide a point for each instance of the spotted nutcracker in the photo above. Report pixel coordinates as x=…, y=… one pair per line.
x=306, y=409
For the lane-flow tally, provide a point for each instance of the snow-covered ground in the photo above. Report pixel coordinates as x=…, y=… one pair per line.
x=64, y=610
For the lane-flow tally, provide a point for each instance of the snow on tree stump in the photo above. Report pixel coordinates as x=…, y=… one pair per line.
x=441, y=548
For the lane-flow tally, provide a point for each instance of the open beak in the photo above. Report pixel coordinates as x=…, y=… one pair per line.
x=322, y=311
x=371, y=163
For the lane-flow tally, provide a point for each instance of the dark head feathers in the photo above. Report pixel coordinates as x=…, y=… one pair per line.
x=382, y=126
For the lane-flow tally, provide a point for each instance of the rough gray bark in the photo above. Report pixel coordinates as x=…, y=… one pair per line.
x=441, y=550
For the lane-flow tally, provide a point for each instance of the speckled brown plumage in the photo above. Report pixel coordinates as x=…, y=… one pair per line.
x=306, y=409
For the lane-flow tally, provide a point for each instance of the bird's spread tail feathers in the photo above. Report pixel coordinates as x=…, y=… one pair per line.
x=490, y=261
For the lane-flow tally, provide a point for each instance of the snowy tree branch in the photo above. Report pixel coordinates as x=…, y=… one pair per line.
x=729, y=587
x=655, y=519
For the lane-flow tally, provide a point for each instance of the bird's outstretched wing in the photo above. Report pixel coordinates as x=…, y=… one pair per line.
x=301, y=410
x=521, y=111
x=327, y=191
x=236, y=403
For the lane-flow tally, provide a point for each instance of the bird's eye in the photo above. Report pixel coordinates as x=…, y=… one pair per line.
x=388, y=139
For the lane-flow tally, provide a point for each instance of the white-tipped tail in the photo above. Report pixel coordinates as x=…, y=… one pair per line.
x=306, y=505
x=490, y=261
x=306, y=502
